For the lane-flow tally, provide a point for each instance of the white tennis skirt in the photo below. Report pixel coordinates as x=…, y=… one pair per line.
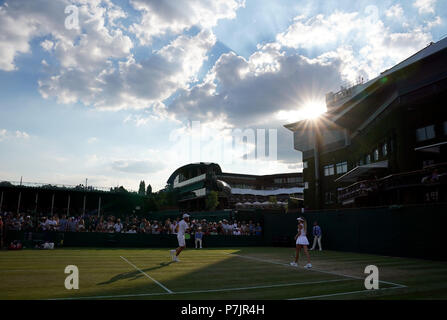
x=302, y=241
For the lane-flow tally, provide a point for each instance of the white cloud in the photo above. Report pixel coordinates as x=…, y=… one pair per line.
x=395, y=11
x=47, y=45
x=3, y=133
x=433, y=23
x=133, y=84
x=175, y=16
x=363, y=42
x=137, y=166
x=425, y=6
x=17, y=135
x=97, y=41
x=21, y=135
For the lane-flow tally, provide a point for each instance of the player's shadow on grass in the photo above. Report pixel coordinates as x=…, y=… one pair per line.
x=134, y=275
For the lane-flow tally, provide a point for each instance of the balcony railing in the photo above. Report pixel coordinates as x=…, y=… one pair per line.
x=429, y=176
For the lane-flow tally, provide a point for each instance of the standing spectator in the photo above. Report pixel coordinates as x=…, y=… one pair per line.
x=251, y=228
x=173, y=227
x=28, y=224
x=219, y=228
x=226, y=227
x=198, y=237
x=72, y=225
x=316, y=231
x=63, y=224
x=258, y=229
x=17, y=223
x=118, y=226
x=233, y=226
x=1, y=232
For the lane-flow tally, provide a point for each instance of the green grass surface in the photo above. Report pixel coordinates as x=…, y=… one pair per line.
x=236, y=273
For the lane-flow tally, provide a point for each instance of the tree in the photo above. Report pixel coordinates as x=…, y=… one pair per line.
x=272, y=199
x=212, y=201
x=149, y=190
x=142, y=189
x=119, y=190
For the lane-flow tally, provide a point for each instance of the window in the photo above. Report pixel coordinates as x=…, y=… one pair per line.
x=425, y=133
x=293, y=180
x=305, y=165
x=329, y=170
x=342, y=167
x=368, y=159
x=329, y=197
x=306, y=185
x=385, y=149
x=376, y=154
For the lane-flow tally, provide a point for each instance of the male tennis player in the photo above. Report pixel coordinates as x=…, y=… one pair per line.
x=182, y=226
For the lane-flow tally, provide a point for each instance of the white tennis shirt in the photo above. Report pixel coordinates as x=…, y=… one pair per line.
x=182, y=226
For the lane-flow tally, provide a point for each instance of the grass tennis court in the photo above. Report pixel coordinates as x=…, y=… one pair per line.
x=236, y=273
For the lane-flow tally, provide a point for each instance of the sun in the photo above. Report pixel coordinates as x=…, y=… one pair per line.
x=309, y=110
x=313, y=109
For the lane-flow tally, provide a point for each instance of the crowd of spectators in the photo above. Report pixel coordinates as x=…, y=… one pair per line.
x=128, y=224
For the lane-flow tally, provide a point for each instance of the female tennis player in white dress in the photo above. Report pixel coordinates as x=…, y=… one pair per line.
x=301, y=242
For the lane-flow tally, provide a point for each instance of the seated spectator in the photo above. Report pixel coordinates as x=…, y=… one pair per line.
x=133, y=229
x=110, y=227
x=434, y=176
x=81, y=226
x=148, y=227
x=155, y=227
x=198, y=236
x=237, y=232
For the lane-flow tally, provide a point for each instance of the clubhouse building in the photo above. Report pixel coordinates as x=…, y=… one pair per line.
x=195, y=181
x=382, y=142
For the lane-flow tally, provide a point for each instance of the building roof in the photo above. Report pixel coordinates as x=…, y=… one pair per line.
x=192, y=166
x=360, y=171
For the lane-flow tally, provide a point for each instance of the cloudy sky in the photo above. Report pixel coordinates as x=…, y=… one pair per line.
x=113, y=90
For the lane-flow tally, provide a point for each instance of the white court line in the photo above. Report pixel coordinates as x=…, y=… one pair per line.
x=315, y=270
x=206, y=291
x=169, y=291
x=341, y=294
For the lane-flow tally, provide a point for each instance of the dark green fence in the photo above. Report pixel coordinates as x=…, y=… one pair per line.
x=95, y=239
x=415, y=231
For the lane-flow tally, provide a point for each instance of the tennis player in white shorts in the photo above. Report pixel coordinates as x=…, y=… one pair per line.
x=182, y=226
